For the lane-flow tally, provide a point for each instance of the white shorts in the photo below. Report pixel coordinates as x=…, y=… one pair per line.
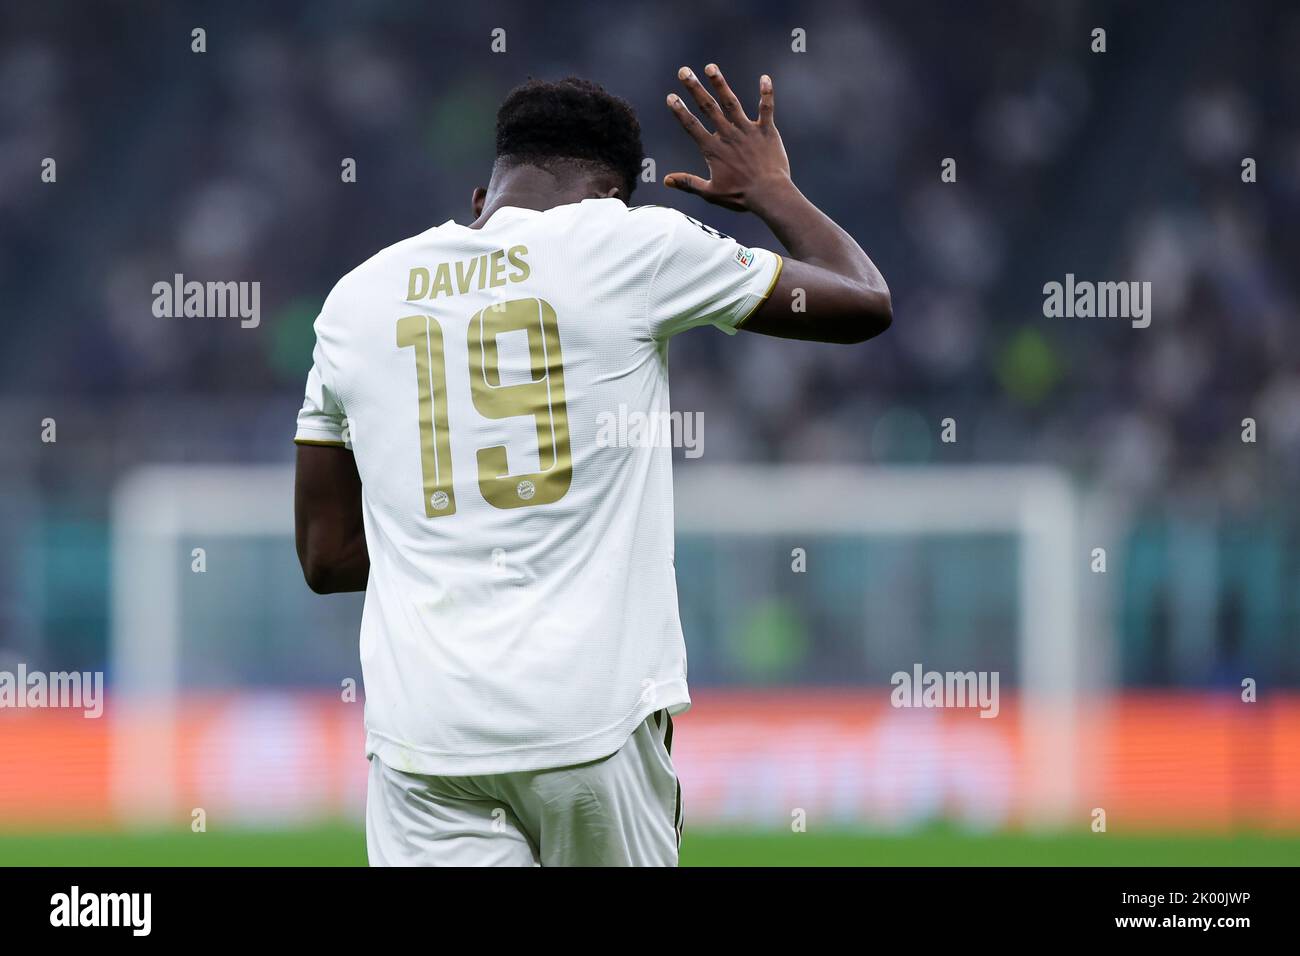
x=621, y=810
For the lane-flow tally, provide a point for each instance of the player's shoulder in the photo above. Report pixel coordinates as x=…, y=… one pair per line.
x=608, y=226
x=360, y=280
x=390, y=255
x=649, y=229
x=668, y=220
x=646, y=216
x=614, y=215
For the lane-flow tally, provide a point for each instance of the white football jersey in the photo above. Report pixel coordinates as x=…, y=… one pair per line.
x=521, y=611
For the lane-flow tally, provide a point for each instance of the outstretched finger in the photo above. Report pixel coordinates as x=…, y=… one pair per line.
x=731, y=107
x=708, y=106
x=694, y=128
x=766, y=100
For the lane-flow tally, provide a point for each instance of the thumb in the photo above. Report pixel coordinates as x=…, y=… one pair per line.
x=687, y=183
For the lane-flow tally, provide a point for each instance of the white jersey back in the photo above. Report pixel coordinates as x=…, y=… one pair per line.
x=521, y=611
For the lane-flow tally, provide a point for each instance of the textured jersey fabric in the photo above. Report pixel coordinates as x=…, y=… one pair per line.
x=521, y=611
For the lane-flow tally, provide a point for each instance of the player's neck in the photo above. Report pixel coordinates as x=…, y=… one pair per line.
x=527, y=187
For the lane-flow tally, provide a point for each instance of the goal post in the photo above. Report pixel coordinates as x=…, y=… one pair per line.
x=156, y=510
x=153, y=510
x=1036, y=505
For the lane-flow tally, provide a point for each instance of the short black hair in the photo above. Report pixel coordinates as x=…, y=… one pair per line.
x=570, y=121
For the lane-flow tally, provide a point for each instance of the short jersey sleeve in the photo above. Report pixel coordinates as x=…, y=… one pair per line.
x=706, y=278
x=321, y=419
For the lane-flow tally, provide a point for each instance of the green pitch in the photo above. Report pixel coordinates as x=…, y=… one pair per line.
x=345, y=846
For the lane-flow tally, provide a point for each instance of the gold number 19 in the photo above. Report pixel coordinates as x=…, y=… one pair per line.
x=541, y=397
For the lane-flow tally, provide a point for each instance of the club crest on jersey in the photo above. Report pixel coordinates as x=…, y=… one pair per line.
x=745, y=257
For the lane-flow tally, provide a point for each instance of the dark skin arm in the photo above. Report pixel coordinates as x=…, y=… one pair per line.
x=845, y=296
x=328, y=528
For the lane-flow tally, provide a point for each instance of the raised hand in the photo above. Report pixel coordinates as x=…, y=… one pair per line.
x=746, y=158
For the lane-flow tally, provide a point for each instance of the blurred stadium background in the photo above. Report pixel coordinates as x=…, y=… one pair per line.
x=1121, y=691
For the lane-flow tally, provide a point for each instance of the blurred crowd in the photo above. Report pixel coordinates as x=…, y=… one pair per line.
x=1121, y=165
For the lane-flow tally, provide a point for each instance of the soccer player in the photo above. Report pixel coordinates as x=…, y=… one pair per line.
x=520, y=643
